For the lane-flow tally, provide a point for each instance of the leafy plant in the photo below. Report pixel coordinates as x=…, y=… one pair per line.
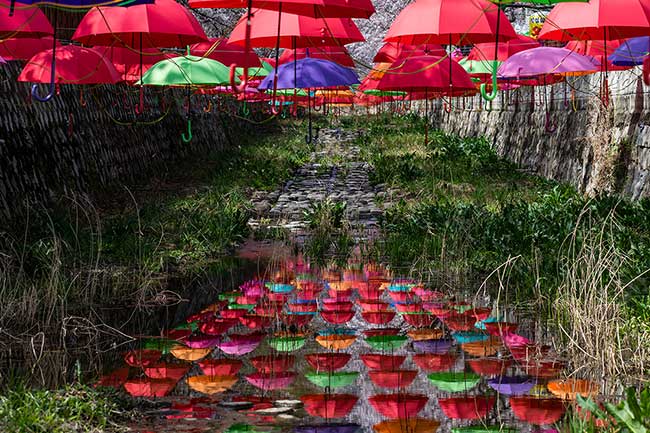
x=632, y=414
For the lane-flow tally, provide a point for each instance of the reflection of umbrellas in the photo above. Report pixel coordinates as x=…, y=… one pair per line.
x=76, y=65
x=631, y=52
x=24, y=48
x=313, y=8
x=337, y=54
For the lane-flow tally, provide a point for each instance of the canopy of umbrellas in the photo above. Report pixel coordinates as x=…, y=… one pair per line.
x=133, y=42
x=304, y=346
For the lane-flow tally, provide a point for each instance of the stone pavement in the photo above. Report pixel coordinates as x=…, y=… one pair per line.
x=335, y=172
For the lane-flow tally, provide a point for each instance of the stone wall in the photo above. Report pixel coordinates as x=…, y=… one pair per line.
x=592, y=146
x=61, y=146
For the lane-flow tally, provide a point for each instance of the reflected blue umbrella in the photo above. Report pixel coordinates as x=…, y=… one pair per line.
x=632, y=52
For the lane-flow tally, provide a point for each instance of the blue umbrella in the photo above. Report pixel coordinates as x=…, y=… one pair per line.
x=309, y=73
x=632, y=52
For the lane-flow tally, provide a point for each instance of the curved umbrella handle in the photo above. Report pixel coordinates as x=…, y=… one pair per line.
x=187, y=138
x=495, y=89
x=245, y=111
x=646, y=71
x=550, y=126
x=238, y=88
x=52, y=88
x=208, y=108
x=139, y=109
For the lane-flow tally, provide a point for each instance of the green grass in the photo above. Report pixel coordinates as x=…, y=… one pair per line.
x=75, y=408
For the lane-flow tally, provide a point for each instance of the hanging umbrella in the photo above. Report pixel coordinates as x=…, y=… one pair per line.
x=76, y=4
x=24, y=48
x=392, y=378
x=131, y=64
x=332, y=379
x=402, y=406
x=391, y=51
x=425, y=333
x=544, y=61
x=312, y=8
x=142, y=357
x=512, y=385
x=378, y=361
x=536, y=410
x=329, y=405
x=187, y=71
x=287, y=343
x=220, y=367
x=165, y=370
x=489, y=366
x=220, y=50
x=211, y=384
x=378, y=317
x=569, y=389
x=336, y=54
x=76, y=65
x=436, y=346
x=482, y=428
x=271, y=381
x=188, y=354
x=270, y=364
x=631, y=52
x=386, y=342
x=598, y=51
x=147, y=387
x=504, y=50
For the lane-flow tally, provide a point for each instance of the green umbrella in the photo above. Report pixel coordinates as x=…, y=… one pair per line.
x=450, y=381
x=332, y=379
x=289, y=92
x=377, y=92
x=243, y=428
x=386, y=342
x=186, y=71
x=286, y=344
x=484, y=429
x=479, y=67
x=192, y=326
x=162, y=344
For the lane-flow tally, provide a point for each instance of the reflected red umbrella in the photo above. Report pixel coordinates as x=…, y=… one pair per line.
x=312, y=8
x=296, y=31
x=337, y=54
x=378, y=317
x=392, y=378
x=220, y=367
x=434, y=362
x=166, y=370
x=392, y=51
x=536, y=410
x=216, y=326
x=336, y=304
x=378, y=361
x=23, y=23
x=489, y=366
x=398, y=405
x=220, y=50
x=130, y=63
x=411, y=307
x=329, y=405
x=270, y=364
x=149, y=387
x=467, y=407
x=460, y=322
x=370, y=305
x=328, y=361
x=418, y=320
x=142, y=357
x=114, y=379
x=24, y=48
x=164, y=23
x=306, y=307
x=74, y=65
x=498, y=328
x=381, y=331
x=256, y=321
x=337, y=317
x=454, y=22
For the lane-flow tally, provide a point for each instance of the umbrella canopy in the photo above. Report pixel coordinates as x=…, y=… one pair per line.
x=504, y=50
x=129, y=62
x=598, y=19
x=454, y=22
x=24, y=23
x=164, y=23
x=75, y=65
x=186, y=71
x=413, y=425
x=296, y=31
x=427, y=74
x=82, y=4
x=449, y=381
x=337, y=54
x=597, y=50
x=398, y=405
x=310, y=73
x=631, y=52
x=328, y=405
x=312, y=8
x=24, y=48
x=220, y=50
x=392, y=51
x=544, y=61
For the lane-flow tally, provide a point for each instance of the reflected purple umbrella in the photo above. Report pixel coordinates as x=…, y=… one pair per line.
x=201, y=341
x=512, y=385
x=327, y=428
x=435, y=346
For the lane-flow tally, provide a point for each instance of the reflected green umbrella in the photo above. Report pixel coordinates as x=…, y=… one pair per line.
x=187, y=71
x=386, y=342
x=287, y=343
x=236, y=306
x=332, y=379
x=229, y=296
x=450, y=381
x=484, y=429
x=162, y=344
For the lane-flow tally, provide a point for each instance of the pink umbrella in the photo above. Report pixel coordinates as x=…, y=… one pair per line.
x=546, y=61
x=271, y=381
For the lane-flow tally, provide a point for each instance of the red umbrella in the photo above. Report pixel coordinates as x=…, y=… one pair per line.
x=378, y=361
x=329, y=405
x=381, y=331
x=337, y=317
x=335, y=304
x=489, y=366
x=149, y=387
x=220, y=50
x=164, y=23
x=393, y=378
x=296, y=31
x=24, y=23
x=536, y=410
x=466, y=407
x=504, y=50
x=271, y=381
x=216, y=326
x=165, y=370
x=599, y=50
x=434, y=362
x=453, y=22
x=256, y=321
x=114, y=379
x=370, y=305
x=312, y=8
x=419, y=320
x=24, y=48
x=328, y=361
x=337, y=54
x=398, y=405
x=378, y=317
x=392, y=51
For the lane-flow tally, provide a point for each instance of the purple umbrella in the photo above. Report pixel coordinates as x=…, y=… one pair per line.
x=435, y=346
x=511, y=385
x=632, y=52
x=310, y=73
x=327, y=428
x=543, y=61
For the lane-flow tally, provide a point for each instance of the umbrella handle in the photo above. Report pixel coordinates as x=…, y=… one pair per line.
x=550, y=126
x=493, y=93
x=573, y=100
x=139, y=109
x=604, y=97
x=238, y=88
x=276, y=108
x=208, y=108
x=247, y=48
x=187, y=138
x=82, y=100
x=51, y=89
